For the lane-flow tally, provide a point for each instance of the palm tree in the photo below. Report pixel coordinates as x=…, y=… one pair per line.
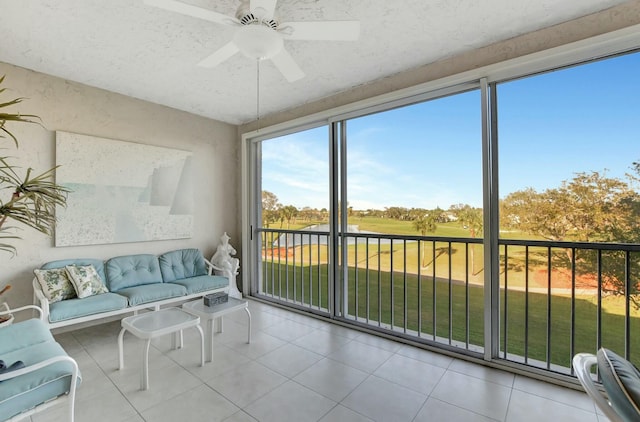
x=33, y=198
x=471, y=219
x=425, y=224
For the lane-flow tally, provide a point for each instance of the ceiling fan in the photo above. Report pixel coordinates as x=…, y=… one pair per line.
x=260, y=35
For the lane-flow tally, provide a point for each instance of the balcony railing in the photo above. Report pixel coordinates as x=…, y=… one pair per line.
x=556, y=298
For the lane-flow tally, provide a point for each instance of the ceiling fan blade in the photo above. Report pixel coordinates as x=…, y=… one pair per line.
x=269, y=7
x=194, y=11
x=323, y=30
x=220, y=55
x=287, y=66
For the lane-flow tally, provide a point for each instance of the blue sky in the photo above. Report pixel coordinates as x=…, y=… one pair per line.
x=551, y=126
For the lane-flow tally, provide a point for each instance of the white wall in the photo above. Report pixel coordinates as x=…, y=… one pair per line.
x=72, y=107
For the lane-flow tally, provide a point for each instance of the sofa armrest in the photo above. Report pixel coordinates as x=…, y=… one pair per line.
x=23, y=308
x=44, y=363
x=39, y=299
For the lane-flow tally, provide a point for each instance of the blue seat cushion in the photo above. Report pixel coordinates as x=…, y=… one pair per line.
x=76, y=308
x=22, y=334
x=29, y=390
x=132, y=270
x=97, y=264
x=621, y=380
x=180, y=264
x=151, y=292
x=203, y=283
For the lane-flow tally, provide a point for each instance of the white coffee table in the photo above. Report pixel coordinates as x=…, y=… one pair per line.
x=216, y=312
x=155, y=324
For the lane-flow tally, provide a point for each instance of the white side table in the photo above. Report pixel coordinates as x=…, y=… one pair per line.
x=155, y=324
x=211, y=313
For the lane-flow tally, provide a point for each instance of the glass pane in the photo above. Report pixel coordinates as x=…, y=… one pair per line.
x=568, y=173
x=294, y=218
x=414, y=181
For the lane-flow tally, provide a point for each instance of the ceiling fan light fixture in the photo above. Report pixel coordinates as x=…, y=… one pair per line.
x=258, y=41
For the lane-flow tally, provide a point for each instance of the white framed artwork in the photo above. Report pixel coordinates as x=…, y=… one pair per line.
x=122, y=191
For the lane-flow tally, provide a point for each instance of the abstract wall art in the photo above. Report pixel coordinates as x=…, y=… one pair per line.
x=122, y=191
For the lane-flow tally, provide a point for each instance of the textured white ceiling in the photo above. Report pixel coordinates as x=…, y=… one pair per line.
x=144, y=52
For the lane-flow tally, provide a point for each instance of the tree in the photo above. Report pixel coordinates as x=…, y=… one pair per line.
x=288, y=213
x=424, y=224
x=471, y=219
x=270, y=206
x=590, y=207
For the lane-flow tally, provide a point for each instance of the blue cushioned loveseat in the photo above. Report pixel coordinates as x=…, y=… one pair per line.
x=134, y=282
x=47, y=372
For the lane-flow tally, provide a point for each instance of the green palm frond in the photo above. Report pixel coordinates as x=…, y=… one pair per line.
x=32, y=198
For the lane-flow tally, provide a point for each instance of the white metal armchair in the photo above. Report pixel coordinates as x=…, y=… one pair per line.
x=620, y=379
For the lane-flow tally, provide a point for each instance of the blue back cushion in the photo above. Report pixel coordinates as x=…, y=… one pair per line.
x=132, y=270
x=181, y=264
x=97, y=264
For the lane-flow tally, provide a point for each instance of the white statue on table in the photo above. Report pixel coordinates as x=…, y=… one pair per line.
x=226, y=265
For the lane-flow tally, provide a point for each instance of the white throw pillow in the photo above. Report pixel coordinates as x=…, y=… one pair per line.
x=86, y=280
x=55, y=284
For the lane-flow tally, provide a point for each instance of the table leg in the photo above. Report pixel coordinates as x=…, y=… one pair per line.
x=210, y=324
x=201, y=345
x=144, y=384
x=219, y=324
x=248, y=329
x=120, y=348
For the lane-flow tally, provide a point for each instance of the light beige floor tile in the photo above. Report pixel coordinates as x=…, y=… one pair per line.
x=165, y=382
x=246, y=383
x=379, y=342
x=290, y=402
x=224, y=359
x=332, y=379
x=289, y=360
x=426, y=356
x=288, y=330
x=361, y=356
x=341, y=331
x=309, y=321
x=437, y=410
x=525, y=407
x=200, y=404
x=482, y=372
x=398, y=388
x=240, y=416
x=479, y=396
x=110, y=407
x=554, y=392
x=322, y=342
x=261, y=344
x=344, y=414
x=232, y=332
x=259, y=320
x=383, y=401
x=418, y=376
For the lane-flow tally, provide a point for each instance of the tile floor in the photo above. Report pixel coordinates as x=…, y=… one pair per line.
x=300, y=369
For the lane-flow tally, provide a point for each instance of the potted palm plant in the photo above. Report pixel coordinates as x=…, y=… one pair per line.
x=25, y=198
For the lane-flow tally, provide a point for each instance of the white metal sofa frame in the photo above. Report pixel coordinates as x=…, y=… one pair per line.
x=69, y=398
